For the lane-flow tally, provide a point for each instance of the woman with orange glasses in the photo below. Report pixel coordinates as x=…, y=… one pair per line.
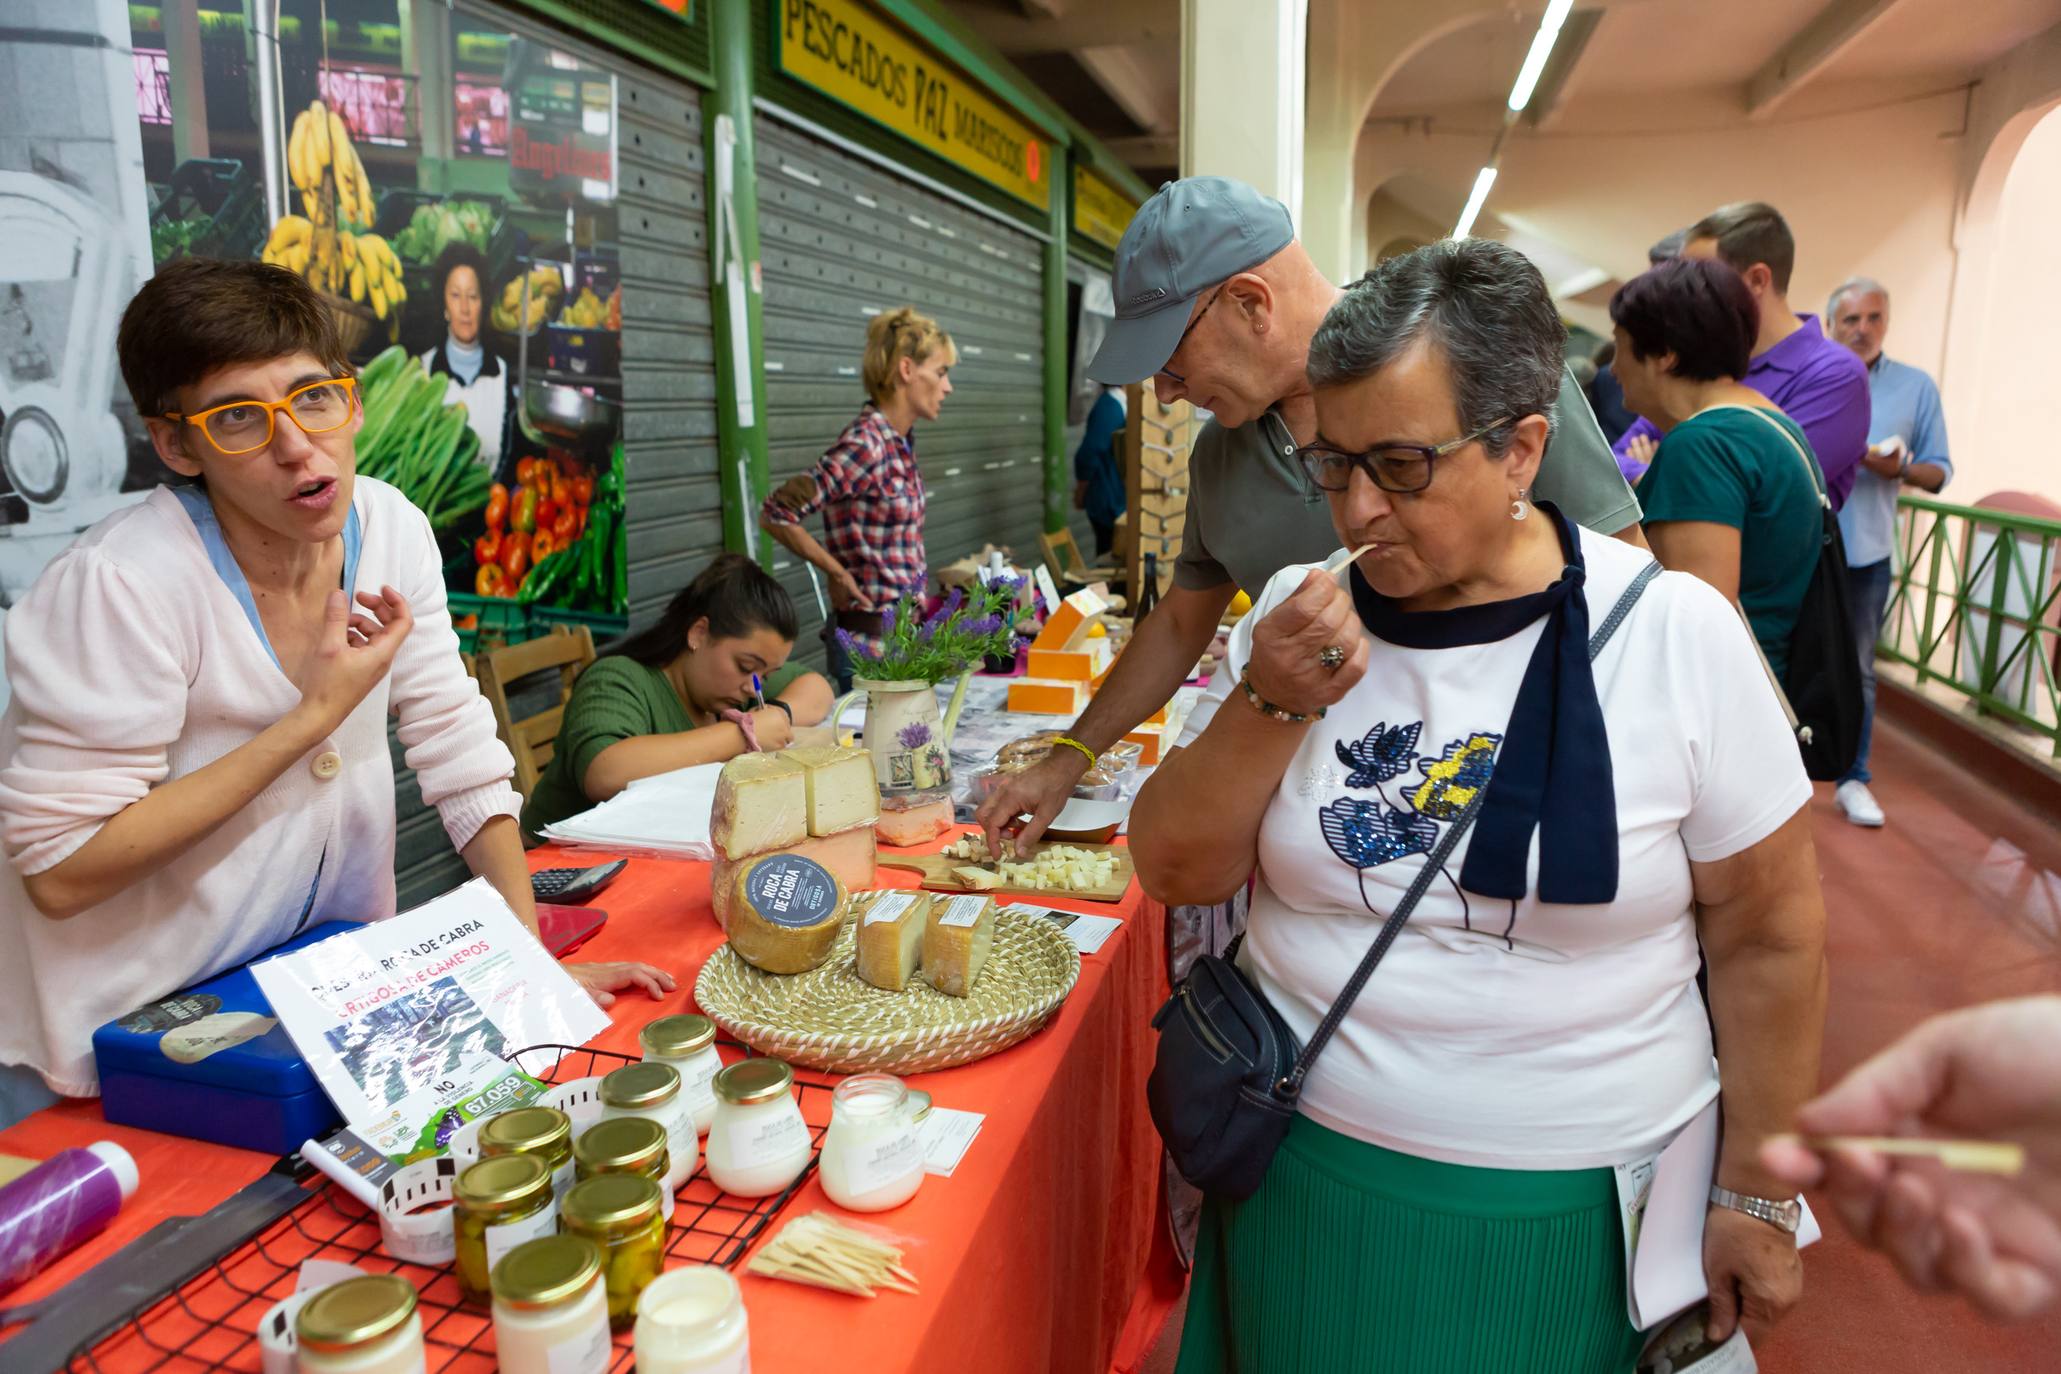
x=194, y=765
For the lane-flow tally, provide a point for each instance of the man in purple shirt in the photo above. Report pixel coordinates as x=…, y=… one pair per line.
x=1817, y=382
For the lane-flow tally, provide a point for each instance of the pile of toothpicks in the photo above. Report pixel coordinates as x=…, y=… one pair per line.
x=817, y=1249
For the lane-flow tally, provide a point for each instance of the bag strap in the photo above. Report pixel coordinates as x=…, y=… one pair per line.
x=1291, y=1086
x=1817, y=478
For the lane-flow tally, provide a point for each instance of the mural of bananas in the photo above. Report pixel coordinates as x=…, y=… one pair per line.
x=333, y=245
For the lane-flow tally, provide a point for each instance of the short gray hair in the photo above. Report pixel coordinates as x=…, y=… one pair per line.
x=1867, y=286
x=1481, y=304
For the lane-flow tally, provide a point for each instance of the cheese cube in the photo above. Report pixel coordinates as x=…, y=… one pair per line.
x=842, y=790
x=784, y=912
x=914, y=825
x=890, y=940
x=1084, y=664
x=1045, y=697
x=762, y=804
x=1068, y=624
x=956, y=941
x=849, y=856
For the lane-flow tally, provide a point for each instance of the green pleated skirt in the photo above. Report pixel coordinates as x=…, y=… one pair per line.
x=1352, y=1259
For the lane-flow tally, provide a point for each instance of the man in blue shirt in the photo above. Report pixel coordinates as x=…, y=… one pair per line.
x=1098, y=483
x=1907, y=445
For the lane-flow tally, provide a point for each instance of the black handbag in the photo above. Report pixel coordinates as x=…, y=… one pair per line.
x=1228, y=1075
x=1822, y=695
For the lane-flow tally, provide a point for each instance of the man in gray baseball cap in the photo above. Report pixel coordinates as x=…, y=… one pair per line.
x=1217, y=302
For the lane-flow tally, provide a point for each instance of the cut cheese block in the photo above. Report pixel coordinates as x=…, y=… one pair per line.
x=842, y=790
x=956, y=941
x=762, y=804
x=784, y=912
x=849, y=857
x=1084, y=664
x=1046, y=697
x=1153, y=741
x=979, y=879
x=1068, y=624
x=914, y=825
x=891, y=939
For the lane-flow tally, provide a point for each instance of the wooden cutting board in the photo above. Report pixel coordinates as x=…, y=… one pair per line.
x=939, y=877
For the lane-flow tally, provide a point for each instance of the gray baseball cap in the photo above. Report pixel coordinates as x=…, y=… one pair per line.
x=1191, y=235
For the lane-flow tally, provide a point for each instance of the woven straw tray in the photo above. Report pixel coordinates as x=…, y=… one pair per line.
x=831, y=1019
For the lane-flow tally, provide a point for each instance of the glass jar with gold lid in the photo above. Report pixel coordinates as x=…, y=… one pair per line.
x=759, y=1143
x=551, y=1308
x=620, y=1213
x=688, y=1043
x=545, y=1132
x=652, y=1090
x=366, y=1325
x=626, y=1145
x=497, y=1204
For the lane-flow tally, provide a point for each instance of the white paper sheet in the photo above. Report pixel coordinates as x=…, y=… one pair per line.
x=666, y=814
x=946, y=1134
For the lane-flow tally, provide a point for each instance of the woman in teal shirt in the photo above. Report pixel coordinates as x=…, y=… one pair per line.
x=681, y=692
x=1733, y=494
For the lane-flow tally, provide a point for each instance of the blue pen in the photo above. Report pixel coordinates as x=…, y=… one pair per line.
x=758, y=690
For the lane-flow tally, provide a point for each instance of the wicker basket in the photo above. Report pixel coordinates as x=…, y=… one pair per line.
x=831, y=1019
x=354, y=320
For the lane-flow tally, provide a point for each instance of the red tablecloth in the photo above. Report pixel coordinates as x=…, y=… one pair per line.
x=1045, y=1251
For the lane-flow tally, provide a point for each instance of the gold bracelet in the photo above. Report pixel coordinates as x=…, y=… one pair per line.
x=1070, y=742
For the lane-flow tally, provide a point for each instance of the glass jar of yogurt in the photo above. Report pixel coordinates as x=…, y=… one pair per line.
x=759, y=1143
x=688, y=1043
x=872, y=1156
x=366, y=1325
x=551, y=1308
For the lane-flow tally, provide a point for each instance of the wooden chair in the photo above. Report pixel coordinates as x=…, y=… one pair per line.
x=569, y=649
x=1063, y=557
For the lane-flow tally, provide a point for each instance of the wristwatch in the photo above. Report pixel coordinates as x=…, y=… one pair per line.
x=1785, y=1216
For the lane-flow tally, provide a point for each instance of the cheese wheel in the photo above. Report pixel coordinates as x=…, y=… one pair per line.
x=842, y=791
x=784, y=912
x=890, y=943
x=956, y=941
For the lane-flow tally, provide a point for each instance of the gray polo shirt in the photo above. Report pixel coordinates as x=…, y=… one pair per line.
x=1251, y=512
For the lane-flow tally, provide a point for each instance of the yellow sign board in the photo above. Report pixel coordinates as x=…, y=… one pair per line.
x=1100, y=211
x=857, y=58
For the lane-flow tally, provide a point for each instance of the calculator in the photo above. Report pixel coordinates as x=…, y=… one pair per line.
x=573, y=886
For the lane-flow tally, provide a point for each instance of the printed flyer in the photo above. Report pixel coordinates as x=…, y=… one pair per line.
x=408, y=1023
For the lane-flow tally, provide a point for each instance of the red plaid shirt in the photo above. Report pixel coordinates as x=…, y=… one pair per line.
x=872, y=500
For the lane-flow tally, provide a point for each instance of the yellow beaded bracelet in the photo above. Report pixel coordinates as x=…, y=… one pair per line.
x=1072, y=743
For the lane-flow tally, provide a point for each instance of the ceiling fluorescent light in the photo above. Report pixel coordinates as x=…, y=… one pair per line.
x=1541, y=49
x=1485, y=179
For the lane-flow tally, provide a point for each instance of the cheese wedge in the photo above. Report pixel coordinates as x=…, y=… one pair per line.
x=1047, y=697
x=890, y=943
x=784, y=912
x=956, y=942
x=841, y=787
x=849, y=857
x=913, y=825
x=762, y=804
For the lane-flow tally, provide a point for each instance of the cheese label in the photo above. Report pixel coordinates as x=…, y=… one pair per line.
x=788, y=890
x=889, y=906
x=963, y=911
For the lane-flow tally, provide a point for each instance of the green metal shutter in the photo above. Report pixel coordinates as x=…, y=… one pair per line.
x=843, y=238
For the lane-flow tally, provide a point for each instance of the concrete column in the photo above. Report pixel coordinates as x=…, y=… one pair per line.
x=1242, y=93
x=426, y=55
x=181, y=22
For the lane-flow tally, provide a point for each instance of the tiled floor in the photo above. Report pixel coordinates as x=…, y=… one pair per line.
x=1957, y=900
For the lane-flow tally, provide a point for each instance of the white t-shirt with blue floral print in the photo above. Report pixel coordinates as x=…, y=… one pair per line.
x=1513, y=1035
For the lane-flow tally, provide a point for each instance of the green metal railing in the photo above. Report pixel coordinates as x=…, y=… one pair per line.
x=1973, y=606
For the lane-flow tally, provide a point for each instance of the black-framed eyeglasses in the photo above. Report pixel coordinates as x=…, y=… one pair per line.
x=1391, y=467
x=1169, y=372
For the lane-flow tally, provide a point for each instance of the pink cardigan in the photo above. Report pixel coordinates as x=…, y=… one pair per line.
x=131, y=664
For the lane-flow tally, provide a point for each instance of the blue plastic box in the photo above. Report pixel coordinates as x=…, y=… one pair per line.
x=258, y=1094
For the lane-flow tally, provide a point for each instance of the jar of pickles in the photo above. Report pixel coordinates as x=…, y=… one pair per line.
x=551, y=1308
x=545, y=1132
x=626, y=1145
x=688, y=1043
x=497, y=1204
x=652, y=1090
x=366, y=1325
x=759, y=1143
x=620, y=1213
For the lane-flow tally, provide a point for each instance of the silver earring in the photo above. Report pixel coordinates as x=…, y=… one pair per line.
x=1518, y=508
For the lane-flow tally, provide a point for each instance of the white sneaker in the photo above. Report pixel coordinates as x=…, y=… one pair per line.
x=1859, y=804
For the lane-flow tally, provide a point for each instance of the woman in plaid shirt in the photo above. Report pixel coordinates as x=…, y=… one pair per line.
x=868, y=487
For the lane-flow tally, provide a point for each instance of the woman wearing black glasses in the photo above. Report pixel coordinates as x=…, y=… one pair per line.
x=194, y=763
x=1424, y=709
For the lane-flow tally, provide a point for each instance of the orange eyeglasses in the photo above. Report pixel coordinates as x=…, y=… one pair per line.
x=246, y=426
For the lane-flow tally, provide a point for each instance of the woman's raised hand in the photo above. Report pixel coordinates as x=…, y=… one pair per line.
x=1289, y=667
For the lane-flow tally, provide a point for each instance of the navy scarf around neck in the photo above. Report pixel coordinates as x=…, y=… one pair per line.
x=1552, y=771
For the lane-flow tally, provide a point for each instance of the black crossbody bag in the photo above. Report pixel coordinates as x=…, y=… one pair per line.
x=1228, y=1074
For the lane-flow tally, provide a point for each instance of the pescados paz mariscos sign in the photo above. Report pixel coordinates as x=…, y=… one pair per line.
x=865, y=62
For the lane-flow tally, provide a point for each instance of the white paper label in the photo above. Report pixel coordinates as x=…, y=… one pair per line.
x=963, y=911
x=767, y=1139
x=946, y=1133
x=509, y=1234
x=889, y=906
x=586, y=1353
x=880, y=1159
